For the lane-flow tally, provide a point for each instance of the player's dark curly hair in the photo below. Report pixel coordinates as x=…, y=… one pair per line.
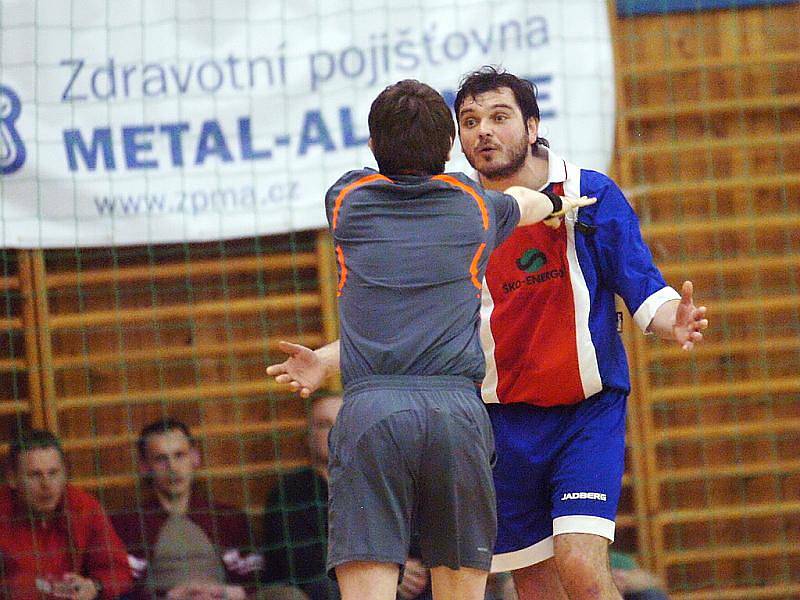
x=411, y=128
x=490, y=78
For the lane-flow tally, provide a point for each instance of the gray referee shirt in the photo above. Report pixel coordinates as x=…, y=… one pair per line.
x=411, y=254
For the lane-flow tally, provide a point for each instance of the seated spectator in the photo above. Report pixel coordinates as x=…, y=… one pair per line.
x=634, y=582
x=181, y=543
x=296, y=522
x=55, y=539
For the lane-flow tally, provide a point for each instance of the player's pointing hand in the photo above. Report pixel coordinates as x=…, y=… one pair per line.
x=690, y=320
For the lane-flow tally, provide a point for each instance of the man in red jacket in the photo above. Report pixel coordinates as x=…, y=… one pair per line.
x=183, y=544
x=55, y=539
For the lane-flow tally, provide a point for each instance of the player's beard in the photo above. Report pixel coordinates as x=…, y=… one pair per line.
x=517, y=154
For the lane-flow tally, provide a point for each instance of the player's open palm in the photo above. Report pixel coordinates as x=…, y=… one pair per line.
x=690, y=320
x=303, y=371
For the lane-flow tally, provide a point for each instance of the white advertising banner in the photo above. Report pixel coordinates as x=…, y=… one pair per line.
x=154, y=121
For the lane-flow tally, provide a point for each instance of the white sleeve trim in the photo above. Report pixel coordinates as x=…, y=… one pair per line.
x=584, y=524
x=519, y=559
x=647, y=309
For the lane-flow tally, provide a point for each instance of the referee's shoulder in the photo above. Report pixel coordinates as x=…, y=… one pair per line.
x=461, y=178
x=461, y=182
x=353, y=176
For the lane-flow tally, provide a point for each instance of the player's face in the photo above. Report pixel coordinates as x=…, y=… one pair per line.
x=494, y=136
x=171, y=460
x=40, y=479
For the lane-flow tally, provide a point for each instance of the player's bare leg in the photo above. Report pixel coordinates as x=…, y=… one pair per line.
x=458, y=584
x=583, y=568
x=367, y=580
x=539, y=582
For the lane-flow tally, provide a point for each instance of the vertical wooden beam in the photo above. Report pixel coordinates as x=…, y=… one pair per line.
x=647, y=463
x=327, y=290
x=638, y=432
x=327, y=285
x=49, y=399
x=639, y=425
x=30, y=329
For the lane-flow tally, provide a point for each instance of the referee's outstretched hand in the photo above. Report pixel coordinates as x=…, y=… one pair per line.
x=568, y=205
x=303, y=371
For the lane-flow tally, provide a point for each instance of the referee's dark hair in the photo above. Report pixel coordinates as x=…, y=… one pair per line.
x=161, y=426
x=490, y=79
x=32, y=439
x=411, y=129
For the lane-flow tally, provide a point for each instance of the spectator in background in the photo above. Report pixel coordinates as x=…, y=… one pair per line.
x=635, y=583
x=296, y=521
x=181, y=543
x=55, y=539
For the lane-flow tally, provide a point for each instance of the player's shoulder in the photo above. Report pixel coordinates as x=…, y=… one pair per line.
x=597, y=184
x=611, y=201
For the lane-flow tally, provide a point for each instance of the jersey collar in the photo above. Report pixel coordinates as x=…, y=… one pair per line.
x=556, y=168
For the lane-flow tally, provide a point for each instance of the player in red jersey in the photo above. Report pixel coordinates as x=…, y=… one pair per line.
x=557, y=379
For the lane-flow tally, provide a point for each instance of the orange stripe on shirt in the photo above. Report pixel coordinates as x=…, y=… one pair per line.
x=342, y=270
x=336, y=206
x=349, y=188
x=465, y=188
x=473, y=268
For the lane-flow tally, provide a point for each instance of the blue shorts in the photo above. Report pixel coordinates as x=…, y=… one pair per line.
x=559, y=470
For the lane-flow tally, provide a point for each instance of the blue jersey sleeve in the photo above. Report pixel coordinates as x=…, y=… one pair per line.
x=506, y=214
x=625, y=262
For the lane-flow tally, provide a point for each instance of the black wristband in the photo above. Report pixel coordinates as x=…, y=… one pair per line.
x=555, y=199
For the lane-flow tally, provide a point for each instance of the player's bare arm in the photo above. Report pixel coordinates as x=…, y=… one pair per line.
x=681, y=320
x=536, y=206
x=305, y=370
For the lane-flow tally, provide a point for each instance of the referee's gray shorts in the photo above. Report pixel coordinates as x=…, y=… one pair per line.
x=412, y=453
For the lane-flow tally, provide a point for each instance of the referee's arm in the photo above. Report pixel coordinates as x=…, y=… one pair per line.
x=536, y=206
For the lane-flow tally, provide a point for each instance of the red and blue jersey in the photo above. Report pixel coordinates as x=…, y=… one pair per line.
x=548, y=314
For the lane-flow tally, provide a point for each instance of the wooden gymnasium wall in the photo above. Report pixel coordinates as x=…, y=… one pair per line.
x=102, y=341
x=708, y=150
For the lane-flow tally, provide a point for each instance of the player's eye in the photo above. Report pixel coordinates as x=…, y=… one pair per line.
x=468, y=122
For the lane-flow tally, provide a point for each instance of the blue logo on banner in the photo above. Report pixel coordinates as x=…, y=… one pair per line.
x=12, y=150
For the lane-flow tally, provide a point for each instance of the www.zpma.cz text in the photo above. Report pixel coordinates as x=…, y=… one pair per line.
x=198, y=201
